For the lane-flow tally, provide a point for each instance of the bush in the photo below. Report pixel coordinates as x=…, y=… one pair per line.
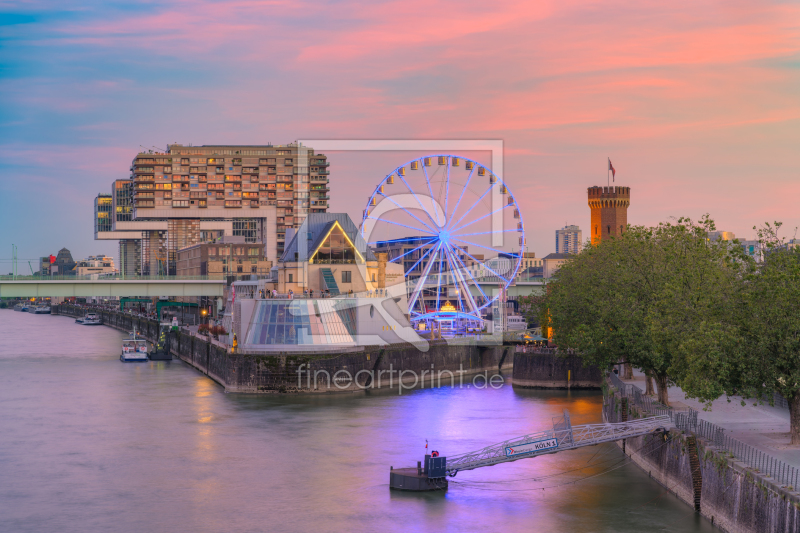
x=203, y=329
x=217, y=330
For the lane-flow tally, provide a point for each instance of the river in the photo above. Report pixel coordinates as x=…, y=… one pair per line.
x=88, y=443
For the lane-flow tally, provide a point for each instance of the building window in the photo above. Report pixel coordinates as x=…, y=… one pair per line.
x=291, y=278
x=346, y=276
x=373, y=278
x=609, y=230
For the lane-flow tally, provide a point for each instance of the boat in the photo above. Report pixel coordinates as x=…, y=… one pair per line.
x=91, y=319
x=19, y=307
x=41, y=310
x=134, y=349
x=516, y=323
x=161, y=351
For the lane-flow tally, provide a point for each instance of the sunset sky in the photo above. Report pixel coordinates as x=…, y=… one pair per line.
x=696, y=103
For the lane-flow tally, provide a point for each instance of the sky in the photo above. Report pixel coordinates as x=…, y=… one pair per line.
x=696, y=103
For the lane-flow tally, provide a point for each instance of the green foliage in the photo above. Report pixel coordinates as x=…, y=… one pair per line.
x=772, y=326
x=663, y=299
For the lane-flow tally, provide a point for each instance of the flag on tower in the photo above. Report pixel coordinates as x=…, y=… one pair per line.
x=611, y=168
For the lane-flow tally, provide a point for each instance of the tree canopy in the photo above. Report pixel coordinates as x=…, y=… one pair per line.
x=663, y=299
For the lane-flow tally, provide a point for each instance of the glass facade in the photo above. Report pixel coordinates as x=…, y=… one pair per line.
x=123, y=196
x=336, y=249
x=247, y=228
x=102, y=213
x=302, y=322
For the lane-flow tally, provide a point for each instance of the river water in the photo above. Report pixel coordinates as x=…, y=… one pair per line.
x=88, y=443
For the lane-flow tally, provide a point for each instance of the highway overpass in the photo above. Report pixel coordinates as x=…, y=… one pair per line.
x=64, y=287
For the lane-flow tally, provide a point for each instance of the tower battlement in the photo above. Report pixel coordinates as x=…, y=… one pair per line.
x=609, y=207
x=609, y=192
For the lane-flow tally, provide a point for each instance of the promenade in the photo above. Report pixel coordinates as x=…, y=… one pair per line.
x=763, y=427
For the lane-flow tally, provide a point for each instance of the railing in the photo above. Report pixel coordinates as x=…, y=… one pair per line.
x=687, y=420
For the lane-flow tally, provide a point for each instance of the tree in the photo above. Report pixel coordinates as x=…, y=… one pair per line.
x=772, y=325
x=653, y=297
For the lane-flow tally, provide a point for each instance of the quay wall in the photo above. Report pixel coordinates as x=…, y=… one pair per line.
x=543, y=369
x=733, y=496
x=369, y=367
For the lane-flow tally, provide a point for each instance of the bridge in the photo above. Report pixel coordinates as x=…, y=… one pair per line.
x=562, y=437
x=69, y=286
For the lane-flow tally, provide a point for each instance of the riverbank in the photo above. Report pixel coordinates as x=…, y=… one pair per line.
x=446, y=363
x=734, y=496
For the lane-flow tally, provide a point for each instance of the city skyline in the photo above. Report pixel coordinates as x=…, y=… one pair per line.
x=643, y=84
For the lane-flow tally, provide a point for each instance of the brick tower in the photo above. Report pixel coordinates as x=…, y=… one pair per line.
x=609, y=207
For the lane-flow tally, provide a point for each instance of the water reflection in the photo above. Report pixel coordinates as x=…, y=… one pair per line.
x=89, y=443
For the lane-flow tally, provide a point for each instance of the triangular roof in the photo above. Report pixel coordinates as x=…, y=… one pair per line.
x=315, y=229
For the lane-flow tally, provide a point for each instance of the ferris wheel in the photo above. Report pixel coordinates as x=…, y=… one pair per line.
x=456, y=229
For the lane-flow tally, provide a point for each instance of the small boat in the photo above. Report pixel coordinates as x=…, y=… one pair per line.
x=18, y=307
x=516, y=323
x=134, y=349
x=41, y=310
x=91, y=319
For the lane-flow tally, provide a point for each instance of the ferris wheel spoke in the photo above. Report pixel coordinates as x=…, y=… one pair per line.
x=471, y=172
x=487, y=232
x=417, y=199
x=403, y=225
x=429, y=241
x=439, y=283
x=472, y=277
x=481, y=218
x=455, y=281
x=463, y=281
x=485, y=247
x=484, y=264
x=421, y=258
x=430, y=190
x=473, y=205
x=412, y=215
x=421, y=283
x=447, y=189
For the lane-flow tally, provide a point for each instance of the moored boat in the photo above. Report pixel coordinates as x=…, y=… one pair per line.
x=91, y=319
x=134, y=349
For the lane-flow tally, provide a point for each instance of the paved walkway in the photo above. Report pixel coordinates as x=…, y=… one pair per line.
x=761, y=426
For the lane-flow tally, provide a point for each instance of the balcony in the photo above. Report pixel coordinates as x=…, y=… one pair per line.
x=253, y=203
x=233, y=203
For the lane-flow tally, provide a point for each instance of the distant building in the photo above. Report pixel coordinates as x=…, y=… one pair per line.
x=752, y=248
x=721, y=236
x=223, y=257
x=568, y=240
x=102, y=214
x=189, y=195
x=94, y=266
x=552, y=262
x=609, y=207
x=529, y=261
x=64, y=264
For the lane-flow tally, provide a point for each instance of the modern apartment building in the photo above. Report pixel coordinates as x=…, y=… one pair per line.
x=225, y=256
x=189, y=195
x=95, y=265
x=568, y=240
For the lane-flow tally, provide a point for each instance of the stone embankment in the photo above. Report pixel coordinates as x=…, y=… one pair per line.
x=371, y=367
x=735, y=497
x=542, y=368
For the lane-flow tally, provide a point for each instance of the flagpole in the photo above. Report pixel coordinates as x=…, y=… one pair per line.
x=608, y=172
